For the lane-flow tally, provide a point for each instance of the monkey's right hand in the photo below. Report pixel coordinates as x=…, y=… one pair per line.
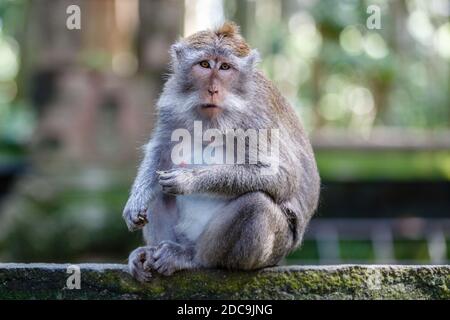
x=135, y=216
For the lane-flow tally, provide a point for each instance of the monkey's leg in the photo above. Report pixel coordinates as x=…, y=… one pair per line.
x=163, y=217
x=251, y=233
x=159, y=230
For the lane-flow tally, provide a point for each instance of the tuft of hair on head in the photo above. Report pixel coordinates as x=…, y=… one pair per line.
x=230, y=36
x=226, y=36
x=227, y=29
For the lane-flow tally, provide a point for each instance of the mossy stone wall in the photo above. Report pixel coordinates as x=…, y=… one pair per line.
x=111, y=281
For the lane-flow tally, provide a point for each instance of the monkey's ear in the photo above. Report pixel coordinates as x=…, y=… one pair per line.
x=253, y=59
x=177, y=53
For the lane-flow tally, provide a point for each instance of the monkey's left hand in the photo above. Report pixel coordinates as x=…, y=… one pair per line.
x=177, y=181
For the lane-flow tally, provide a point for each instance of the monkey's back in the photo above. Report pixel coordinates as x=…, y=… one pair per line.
x=296, y=153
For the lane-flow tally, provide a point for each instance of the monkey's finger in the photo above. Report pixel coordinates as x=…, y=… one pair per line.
x=137, y=270
x=149, y=260
x=136, y=222
x=166, y=176
x=157, y=254
x=168, y=172
x=158, y=264
x=170, y=191
x=139, y=221
x=132, y=222
x=168, y=187
x=166, y=182
x=142, y=275
x=142, y=216
x=142, y=256
x=165, y=269
x=170, y=175
x=143, y=220
x=149, y=264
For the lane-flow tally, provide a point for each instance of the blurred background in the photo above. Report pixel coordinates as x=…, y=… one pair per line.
x=76, y=105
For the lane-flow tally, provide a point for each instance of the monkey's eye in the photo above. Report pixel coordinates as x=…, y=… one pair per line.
x=224, y=66
x=204, y=64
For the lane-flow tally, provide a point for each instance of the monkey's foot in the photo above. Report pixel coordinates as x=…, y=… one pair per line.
x=140, y=262
x=170, y=257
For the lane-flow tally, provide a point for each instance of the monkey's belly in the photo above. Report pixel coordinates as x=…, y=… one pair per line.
x=196, y=211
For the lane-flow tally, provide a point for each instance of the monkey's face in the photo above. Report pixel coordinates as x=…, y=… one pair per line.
x=212, y=74
x=212, y=81
x=213, y=78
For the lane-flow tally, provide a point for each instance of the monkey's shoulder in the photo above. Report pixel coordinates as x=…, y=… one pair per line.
x=278, y=105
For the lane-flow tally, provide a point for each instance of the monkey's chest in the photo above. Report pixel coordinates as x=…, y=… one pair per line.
x=196, y=212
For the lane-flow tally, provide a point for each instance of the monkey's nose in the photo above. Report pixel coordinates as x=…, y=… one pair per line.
x=213, y=91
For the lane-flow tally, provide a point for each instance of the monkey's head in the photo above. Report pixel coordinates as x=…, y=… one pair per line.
x=212, y=72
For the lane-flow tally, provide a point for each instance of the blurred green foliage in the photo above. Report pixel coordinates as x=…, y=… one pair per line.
x=411, y=249
x=16, y=127
x=16, y=117
x=308, y=251
x=353, y=251
x=67, y=223
x=339, y=73
x=384, y=165
x=356, y=250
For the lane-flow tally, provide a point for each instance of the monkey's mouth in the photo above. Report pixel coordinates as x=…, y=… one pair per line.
x=209, y=106
x=210, y=110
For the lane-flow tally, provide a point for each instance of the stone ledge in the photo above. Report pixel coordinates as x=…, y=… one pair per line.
x=111, y=281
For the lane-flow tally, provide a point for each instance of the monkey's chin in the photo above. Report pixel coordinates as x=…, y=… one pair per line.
x=209, y=110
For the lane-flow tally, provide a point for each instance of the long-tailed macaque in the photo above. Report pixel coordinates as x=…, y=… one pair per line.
x=244, y=214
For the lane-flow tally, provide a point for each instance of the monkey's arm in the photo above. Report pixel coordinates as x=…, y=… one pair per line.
x=144, y=188
x=231, y=180
x=236, y=180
